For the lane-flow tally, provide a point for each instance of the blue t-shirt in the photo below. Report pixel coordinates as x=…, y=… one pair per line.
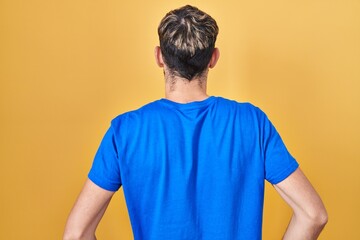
x=193, y=171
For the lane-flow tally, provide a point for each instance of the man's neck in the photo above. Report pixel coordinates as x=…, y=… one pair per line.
x=184, y=91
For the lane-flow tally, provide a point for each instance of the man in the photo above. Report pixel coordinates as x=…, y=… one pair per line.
x=193, y=166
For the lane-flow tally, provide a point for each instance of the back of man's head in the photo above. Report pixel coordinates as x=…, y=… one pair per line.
x=187, y=40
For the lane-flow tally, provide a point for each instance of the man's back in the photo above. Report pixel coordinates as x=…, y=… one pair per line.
x=193, y=166
x=193, y=171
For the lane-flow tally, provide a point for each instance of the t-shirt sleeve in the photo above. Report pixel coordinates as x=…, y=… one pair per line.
x=279, y=163
x=105, y=170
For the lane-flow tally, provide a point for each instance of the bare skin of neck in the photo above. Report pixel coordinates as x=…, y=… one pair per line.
x=181, y=90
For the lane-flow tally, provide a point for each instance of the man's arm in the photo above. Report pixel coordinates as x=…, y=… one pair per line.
x=87, y=212
x=309, y=214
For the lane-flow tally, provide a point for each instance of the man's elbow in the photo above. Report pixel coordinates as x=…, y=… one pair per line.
x=322, y=219
x=318, y=218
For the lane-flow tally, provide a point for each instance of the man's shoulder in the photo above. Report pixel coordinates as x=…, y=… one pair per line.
x=147, y=108
x=237, y=104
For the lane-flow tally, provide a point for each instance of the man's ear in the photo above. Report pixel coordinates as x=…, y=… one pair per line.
x=214, y=58
x=158, y=57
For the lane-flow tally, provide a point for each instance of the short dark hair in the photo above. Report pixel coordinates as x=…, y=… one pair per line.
x=187, y=40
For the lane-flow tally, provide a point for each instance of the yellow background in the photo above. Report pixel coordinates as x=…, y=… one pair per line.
x=68, y=67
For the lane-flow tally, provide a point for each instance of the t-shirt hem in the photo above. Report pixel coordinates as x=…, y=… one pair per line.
x=284, y=174
x=101, y=184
